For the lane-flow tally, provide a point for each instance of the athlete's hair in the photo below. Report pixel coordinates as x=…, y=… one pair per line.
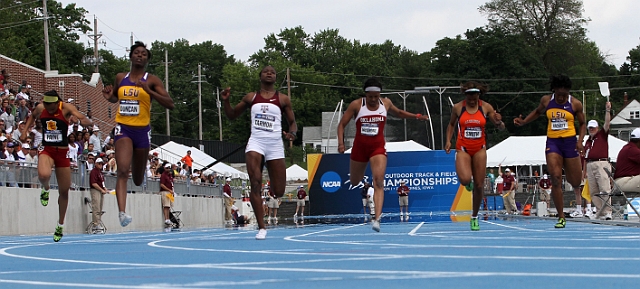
x=474, y=84
x=372, y=82
x=261, y=70
x=139, y=44
x=560, y=81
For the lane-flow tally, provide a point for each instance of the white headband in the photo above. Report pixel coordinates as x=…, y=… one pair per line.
x=472, y=90
x=372, y=88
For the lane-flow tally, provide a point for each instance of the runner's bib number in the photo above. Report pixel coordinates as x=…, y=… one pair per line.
x=53, y=136
x=473, y=133
x=129, y=107
x=264, y=122
x=369, y=129
x=559, y=124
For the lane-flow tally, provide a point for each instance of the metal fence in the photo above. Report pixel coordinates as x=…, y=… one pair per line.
x=15, y=174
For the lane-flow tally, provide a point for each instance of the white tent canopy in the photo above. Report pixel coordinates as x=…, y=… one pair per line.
x=173, y=152
x=402, y=146
x=295, y=173
x=529, y=150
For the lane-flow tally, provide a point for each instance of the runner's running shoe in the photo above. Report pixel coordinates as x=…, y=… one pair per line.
x=576, y=214
x=375, y=225
x=124, y=219
x=44, y=197
x=561, y=223
x=474, y=224
x=262, y=234
x=58, y=234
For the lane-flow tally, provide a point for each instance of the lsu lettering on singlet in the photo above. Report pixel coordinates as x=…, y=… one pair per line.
x=471, y=135
x=54, y=128
x=561, y=119
x=370, y=124
x=134, y=104
x=266, y=117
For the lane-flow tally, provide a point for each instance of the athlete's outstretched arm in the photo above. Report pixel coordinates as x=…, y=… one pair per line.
x=519, y=121
x=351, y=111
x=30, y=121
x=452, y=126
x=233, y=112
x=402, y=113
x=291, y=119
x=156, y=90
x=84, y=121
x=582, y=129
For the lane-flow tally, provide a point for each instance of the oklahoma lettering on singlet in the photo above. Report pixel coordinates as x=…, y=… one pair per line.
x=134, y=104
x=471, y=127
x=266, y=117
x=561, y=119
x=54, y=128
x=370, y=124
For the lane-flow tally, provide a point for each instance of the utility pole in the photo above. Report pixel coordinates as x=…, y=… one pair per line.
x=200, y=101
x=47, y=57
x=166, y=81
x=289, y=94
x=95, y=36
x=219, y=104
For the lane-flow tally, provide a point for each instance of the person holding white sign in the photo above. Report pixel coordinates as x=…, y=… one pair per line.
x=370, y=115
x=54, y=116
x=471, y=115
x=133, y=91
x=563, y=149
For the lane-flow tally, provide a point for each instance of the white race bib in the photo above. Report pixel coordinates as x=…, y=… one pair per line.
x=473, y=133
x=559, y=124
x=369, y=129
x=53, y=136
x=129, y=107
x=264, y=122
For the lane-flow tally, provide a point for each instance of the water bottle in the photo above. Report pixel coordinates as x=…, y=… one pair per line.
x=626, y=214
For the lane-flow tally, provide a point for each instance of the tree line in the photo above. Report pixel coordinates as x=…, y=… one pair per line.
x=524, y=43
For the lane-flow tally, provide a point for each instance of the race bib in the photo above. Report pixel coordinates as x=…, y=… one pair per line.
x=473, y=133
x=559, y=124
x=129, y=107
x=369, y=129
x=264, y=122
x=53, y=136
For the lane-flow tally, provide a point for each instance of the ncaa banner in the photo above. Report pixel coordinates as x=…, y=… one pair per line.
x=430, y=175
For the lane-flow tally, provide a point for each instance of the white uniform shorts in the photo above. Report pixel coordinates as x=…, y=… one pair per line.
x=271, y=149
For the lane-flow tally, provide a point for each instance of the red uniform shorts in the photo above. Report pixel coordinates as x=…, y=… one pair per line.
x=59, y=156
x=362, y=153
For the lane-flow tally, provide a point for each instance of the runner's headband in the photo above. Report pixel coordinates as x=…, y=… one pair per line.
x=372, y=88
x=472, y=90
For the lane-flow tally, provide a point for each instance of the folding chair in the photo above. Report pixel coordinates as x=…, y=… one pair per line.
x=616, y=192
x=94, y=227
x=174, y=217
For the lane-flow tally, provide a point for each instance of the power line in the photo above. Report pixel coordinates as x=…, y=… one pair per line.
x=105, y=24
x=14, y=6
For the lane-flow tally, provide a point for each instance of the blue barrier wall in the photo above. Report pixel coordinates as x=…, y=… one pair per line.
x=430, y=175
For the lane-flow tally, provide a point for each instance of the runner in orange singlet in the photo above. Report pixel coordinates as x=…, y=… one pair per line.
x=471, y=115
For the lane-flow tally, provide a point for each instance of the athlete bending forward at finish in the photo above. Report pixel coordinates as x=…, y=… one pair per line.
x=133, y=91
x=265, y=143
x=370, y=114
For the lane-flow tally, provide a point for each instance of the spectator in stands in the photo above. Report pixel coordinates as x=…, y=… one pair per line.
x=2, y=127
x=4, y=76
x=167, y=194
x=12, y=157
x=23, y=93
x=6, y=114
x=98, y=190
x=85, y=139
x=32, y=158
x=22, y=111
x=188, y=160
x=112, y=166
x=37, y=134
x=228, y=200
x=94, y=139
x=627, y=175
x=184, y=171
x=17, y=132
x=72, y=154
x=12, y=104
x=90, y=161
x=302, y=195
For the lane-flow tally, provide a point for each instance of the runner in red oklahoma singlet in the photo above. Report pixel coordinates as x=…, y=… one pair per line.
x=369, y=140
x=471, y=135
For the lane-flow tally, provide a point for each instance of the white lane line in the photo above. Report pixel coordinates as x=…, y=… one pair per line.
x=513, y=227
x=413, y=232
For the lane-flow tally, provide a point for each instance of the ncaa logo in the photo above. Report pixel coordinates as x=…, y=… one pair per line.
x=330, y=182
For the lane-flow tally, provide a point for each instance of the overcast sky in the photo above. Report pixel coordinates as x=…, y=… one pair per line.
x=241, y=25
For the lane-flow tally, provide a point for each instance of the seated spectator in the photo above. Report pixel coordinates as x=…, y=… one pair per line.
x=239, y=220
x=627, y=175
